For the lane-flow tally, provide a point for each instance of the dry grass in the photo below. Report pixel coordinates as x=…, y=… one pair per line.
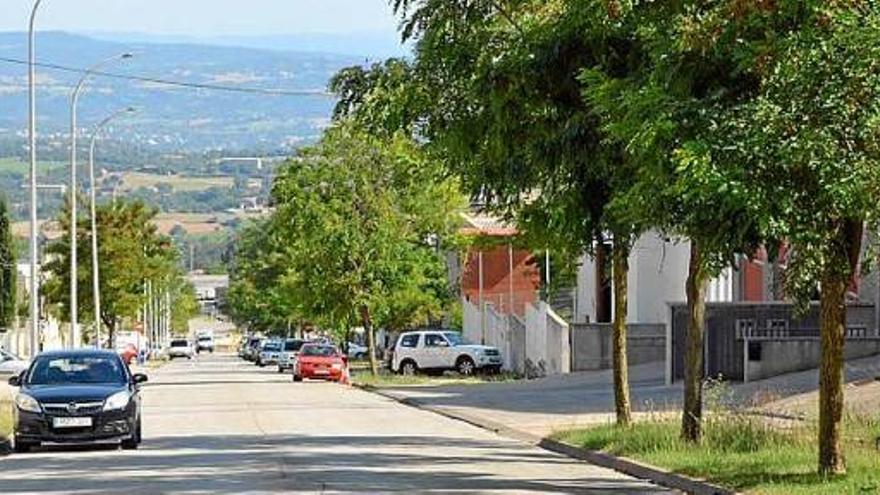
x=5, y=411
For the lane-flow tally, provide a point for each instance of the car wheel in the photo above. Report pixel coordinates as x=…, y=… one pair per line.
x=465, y=366
x=360, y=356
x=261, y=364
x=280, y=369
x=21, y=447
x=408, y=368
x=297, y=378
x=135, y=440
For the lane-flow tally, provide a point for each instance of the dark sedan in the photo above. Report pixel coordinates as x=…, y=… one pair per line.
x=79, y=396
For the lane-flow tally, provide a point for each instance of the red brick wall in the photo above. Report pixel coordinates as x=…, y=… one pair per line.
x=496, y=276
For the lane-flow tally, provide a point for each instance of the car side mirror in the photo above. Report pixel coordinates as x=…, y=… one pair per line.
x=15, y=381
x=139, y=378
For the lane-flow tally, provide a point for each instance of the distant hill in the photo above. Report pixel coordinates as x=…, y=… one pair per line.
x=172, y=118
x=366, y=44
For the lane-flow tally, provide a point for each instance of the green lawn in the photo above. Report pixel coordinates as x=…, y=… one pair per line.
x=745, y=454
x=361, y=375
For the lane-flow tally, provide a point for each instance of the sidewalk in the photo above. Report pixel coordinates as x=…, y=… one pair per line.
x=540, y=407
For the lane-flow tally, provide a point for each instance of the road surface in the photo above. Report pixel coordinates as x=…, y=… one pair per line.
x=219, y=425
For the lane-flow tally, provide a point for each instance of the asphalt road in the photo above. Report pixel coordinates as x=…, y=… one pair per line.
x=219, y=425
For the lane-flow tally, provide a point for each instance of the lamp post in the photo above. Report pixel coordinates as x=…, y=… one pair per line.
x=32, y=144
x=74, y=99
x=96, y=289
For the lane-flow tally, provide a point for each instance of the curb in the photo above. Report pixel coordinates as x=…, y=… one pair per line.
x=620, y=464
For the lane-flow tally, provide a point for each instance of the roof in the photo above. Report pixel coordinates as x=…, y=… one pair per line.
x=477, y=223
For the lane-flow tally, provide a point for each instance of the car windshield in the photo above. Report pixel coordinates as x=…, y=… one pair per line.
x=179, y=343
x=204, y=339
x=293, y=345
x=455, y=339
x=319, y=350
x=272, y=346
x=73, y=370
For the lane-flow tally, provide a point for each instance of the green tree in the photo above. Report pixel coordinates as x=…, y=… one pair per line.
x=184, y=307
x=812, y=141
x=495, y=89
x=130, y=251
x=8, y=270
x=356, y=213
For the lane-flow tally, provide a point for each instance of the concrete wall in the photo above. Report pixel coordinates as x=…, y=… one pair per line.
x=779, y=357
x=657, y=275
x=592, y=345
x=517, y=336
x=547, y=341
x=794, y=347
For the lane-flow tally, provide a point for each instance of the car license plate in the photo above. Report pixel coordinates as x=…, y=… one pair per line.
x=322, y=371
x=71, y=422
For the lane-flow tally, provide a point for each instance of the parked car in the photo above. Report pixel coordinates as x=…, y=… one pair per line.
x=269, y=353
x=438, y=351
x=319, y=361
x=357, y=351
x=205, y=343
x=288, y=354
x=180, y=348
x=128, y=353
x=10, y=364
x=252, y=348
x=78, y=396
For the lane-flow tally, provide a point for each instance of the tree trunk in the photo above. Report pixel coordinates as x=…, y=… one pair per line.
x=836, y=277
x=620, y=259
x=371, y=339
x=603, y=313
x=691, y=418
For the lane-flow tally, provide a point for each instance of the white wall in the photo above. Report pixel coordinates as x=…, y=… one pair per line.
x=657, y=276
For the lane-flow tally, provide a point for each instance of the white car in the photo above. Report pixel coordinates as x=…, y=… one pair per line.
x=357, y=351
x=10, y=364
x=180, y=348
x=287, y=357
x=438, y=351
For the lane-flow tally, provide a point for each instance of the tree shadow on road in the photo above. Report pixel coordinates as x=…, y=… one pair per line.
x=304, y=463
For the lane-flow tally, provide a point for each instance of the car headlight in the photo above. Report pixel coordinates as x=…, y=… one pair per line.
x=27, y=403
x=119, y=400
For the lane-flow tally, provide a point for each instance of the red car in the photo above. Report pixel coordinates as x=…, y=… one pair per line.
x=319, y=362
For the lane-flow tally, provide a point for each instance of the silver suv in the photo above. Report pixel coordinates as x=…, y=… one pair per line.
x=435, y=351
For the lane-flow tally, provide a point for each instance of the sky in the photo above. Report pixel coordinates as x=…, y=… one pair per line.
x=206, y=18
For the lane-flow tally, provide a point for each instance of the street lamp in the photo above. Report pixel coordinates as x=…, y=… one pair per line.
x=32, y=143
x=96, y=289
x=74, y=99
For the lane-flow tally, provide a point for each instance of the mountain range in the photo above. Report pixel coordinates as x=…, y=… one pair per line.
x=171, y=118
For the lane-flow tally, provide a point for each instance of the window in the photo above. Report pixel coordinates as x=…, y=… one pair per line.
x=179, y=343
x=411, y=340
x=435, y=340
x=319, y=350
x=76, y=369
x=754, y=351
x=293, y=345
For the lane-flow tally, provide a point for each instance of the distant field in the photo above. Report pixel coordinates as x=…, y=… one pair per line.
x=134, y=180
x=13, y=164
x=198, y=223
